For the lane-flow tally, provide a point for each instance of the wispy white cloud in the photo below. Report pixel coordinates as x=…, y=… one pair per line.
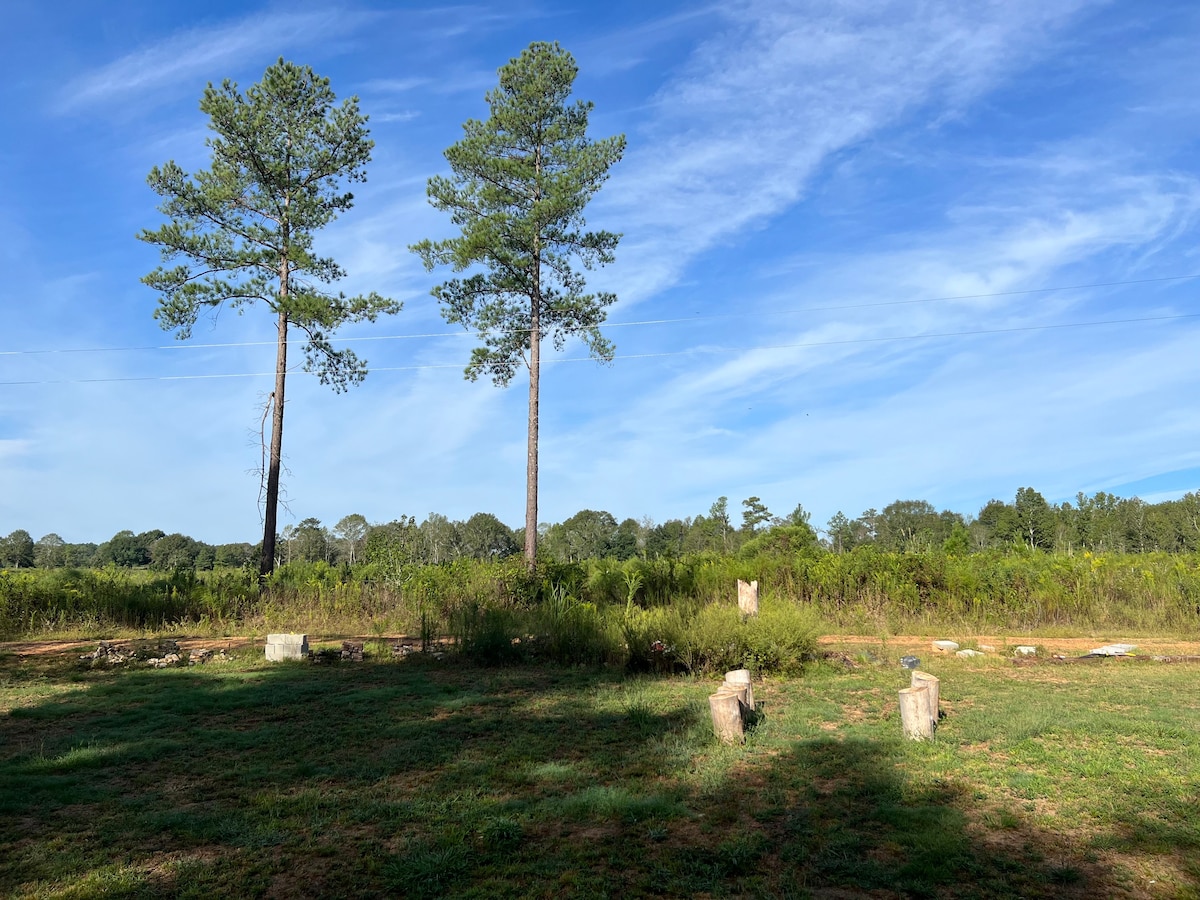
x=859, y=416
x=198, y=52
x=404, y=116
x=887, y=151
x=780, y=90
x=12, y=448
x=629, y=47
x=393, y=85
x=1024, y=255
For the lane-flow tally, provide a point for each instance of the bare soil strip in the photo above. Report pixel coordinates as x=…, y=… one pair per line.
x=1067, y=646
x=898, y=644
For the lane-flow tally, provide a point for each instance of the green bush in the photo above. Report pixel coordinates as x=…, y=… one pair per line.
x=569, y=631
x=490, y=637
x=714, y=640
x=781, y=638
x=653, y=639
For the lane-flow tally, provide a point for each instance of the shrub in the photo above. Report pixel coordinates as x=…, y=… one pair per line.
x=781, y=637
x=487, y=636
x=713, y=640
x=653, y=639
x=571, y=632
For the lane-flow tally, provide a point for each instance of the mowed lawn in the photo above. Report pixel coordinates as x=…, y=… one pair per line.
x=433, y=778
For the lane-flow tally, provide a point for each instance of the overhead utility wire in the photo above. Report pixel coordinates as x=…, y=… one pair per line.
x=693, y=351
x=671, y=321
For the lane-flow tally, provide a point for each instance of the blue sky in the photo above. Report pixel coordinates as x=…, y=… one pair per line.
x=810, y=191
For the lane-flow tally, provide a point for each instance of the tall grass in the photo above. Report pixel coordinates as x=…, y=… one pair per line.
x=1155, y=592
x=97, y=601
x=600, y=609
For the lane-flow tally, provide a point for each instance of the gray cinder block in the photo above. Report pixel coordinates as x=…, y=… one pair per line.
x=287, y=646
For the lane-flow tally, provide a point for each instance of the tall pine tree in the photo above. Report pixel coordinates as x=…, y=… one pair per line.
x=520, y=182
x=244, y=228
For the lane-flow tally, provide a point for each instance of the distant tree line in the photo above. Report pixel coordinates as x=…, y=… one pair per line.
x=151, y=549
x=1101, y=523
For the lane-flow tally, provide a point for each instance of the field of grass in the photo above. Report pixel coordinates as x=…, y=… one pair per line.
x=435, y=778
x=864, y=591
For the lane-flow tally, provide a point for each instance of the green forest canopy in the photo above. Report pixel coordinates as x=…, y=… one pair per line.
x=1101, y=522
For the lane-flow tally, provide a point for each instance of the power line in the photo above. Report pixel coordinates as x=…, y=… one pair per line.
x=690, y=352
x=630, y=324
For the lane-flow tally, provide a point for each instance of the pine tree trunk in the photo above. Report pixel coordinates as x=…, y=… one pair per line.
x=535, y=371
x=531, y=465
x=267, y=563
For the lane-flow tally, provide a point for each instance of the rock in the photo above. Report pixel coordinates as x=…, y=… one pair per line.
x=987, y=648
x=910, y=662
x=967, y=654
x=945, y=646
x=1025, y=651
x=108, y=653
x=1114, y=650
x=149, y=650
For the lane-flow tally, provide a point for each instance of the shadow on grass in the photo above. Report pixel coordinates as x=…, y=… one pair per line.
x=419, y=780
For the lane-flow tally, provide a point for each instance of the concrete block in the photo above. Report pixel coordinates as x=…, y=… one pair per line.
x=1114, y=650
x=287, y=646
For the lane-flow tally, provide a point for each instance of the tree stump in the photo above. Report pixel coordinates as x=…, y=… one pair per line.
x=726, y=708
x=741, y=678
x=748, y=598
x=914, y=713
x=924, y=679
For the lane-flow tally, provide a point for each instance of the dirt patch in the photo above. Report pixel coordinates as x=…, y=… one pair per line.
x=900, y=645
x=896, y=645
x=50, y=648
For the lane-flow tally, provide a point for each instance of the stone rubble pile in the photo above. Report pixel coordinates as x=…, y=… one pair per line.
x=949, y=647
x=162, y=654
x=113, y=654
x=403, y=650
x=1026, y=651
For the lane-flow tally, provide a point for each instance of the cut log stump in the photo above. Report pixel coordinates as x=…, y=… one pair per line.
x=726, y=708
x=915, y=714
x=924, y=679
x=741, y=678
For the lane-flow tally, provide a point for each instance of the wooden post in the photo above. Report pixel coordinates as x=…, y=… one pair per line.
x=924, y=679
x=741, y=678
x=726, y=708
x=748, y=598
x=914, y=713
